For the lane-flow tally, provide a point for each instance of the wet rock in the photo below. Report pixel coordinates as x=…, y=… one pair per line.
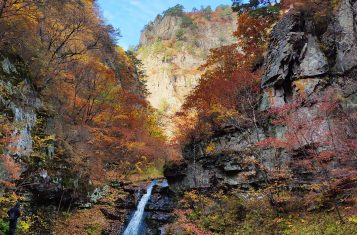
x=232, y=166
x=161, y=200
x=49, y=192
x=160, y=217
x=160, y=208
x=117, y=184
x=8, y=67
x=85, y=205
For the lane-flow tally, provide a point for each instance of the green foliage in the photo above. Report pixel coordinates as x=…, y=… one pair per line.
x=256, y=7
x=180, y=34
x=158, y=47
x=321, y=224
x=224, y=7
x=225, y=12
x=187, y=22
x=207, y=12
x=93, y=229
x=4, y=227
x=152, y=172
x=41, y=141
x=216, y=213
x=177, y=10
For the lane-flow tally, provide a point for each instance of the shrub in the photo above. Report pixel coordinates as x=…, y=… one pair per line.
x=4, y=226
x=180, y=34
x=225, y=12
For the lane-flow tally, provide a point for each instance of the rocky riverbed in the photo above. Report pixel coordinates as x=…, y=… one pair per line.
x=120, y=203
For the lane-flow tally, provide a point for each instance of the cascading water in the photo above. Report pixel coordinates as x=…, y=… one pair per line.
x=135, y=225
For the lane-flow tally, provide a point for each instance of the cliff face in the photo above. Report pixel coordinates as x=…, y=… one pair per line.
x=300, y=62
x=173, y=47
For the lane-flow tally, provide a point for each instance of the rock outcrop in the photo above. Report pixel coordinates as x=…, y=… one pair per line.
x=299, y=63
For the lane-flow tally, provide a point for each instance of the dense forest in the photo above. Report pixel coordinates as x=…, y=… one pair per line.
x=75, y=101
x=241, y=117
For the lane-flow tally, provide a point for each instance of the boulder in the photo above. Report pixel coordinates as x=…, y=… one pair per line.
x=111, y=214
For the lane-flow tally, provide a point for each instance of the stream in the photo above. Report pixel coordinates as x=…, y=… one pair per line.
x=135, y=225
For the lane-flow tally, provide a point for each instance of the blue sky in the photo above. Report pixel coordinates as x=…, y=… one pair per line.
x=132, y=15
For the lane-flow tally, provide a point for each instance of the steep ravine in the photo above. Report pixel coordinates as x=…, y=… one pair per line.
x=172, y=48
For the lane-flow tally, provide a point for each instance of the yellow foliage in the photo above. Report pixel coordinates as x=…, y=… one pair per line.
x=24, y=226
x=210, y=147
x=353, y=219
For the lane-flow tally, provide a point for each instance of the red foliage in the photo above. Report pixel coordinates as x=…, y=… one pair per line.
x=228, y=91
x=319, y=138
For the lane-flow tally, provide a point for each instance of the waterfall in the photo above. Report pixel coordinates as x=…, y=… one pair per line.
x=135, y=223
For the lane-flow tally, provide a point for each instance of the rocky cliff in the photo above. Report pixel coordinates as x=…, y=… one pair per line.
x=304, y=59
x=172, y=48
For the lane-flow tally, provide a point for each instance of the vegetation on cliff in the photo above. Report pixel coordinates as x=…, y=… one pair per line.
x=285, y=161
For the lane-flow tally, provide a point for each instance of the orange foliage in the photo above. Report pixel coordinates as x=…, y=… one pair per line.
x=10, y=170
x=252, y=34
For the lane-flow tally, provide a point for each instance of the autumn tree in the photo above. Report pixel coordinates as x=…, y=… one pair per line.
x=14, y=8
x=88, y=84
x=228, y=91
x=10, y=170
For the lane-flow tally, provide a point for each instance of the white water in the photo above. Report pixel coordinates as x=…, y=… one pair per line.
x=135, y=224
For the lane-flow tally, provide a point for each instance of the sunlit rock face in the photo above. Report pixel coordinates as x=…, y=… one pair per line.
x=172, y=53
